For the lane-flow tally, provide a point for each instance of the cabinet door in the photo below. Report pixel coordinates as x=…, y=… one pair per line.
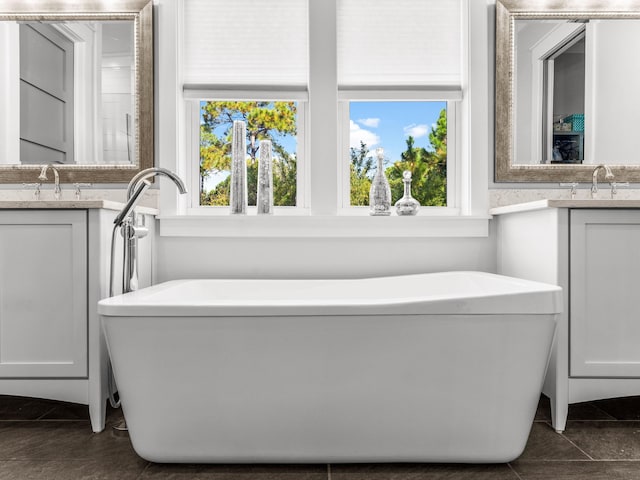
x=605, y=293
x=43, y=293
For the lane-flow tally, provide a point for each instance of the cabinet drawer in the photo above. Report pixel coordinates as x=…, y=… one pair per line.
x=43, y=293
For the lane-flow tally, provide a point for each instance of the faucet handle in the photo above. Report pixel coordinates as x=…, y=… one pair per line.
x=574, y=188
x=79, y=186
x=615, y=185
x=36, y=192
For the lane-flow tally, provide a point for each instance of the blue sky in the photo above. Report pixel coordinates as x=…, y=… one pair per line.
x=389, y=124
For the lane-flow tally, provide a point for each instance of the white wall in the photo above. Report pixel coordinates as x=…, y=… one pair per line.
x=179, y=257
x=117, y=104
x=531, y=38
x=528, y=33
x=617, y=96
x=198, y=257
x=9, y=93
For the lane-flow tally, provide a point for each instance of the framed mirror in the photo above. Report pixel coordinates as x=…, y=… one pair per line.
x=76, y=89
x=567, y=96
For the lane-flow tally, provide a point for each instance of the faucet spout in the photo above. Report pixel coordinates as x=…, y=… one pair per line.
x=154, y=172
x=56, y=179
x=608, y=176
x=139, y=184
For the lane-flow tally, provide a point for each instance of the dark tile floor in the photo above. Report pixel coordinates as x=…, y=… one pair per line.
x=41, y=439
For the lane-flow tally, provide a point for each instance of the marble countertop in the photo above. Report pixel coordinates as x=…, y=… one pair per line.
x=565, y=203
x=70, y=204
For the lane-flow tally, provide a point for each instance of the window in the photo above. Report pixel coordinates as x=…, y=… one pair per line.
x=334, y=59
x=385, y=54
x=266, y=120
x=259, y=79
x=414, y=135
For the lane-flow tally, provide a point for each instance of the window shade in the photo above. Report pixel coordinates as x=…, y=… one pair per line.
x=245, y=42
x=399, y=42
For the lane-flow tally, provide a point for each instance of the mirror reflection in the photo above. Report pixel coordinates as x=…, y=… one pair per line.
x=69, y=90
x=575, y=91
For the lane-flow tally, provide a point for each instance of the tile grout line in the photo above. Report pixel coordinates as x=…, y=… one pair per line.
x=26, y=420
x=582, y=460
x=603, y=411
x=328, y=471
x=143, y=470
x=514, y=471
x=572, y=443
x=46, y=413
x=602, y=420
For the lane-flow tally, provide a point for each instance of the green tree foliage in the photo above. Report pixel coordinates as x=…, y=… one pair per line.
x=360, y=175
x=428, y=168
x=265, y=121
x=284, y=178
x=438, y=138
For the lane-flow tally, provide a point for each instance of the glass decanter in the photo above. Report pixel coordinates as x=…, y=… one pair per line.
x=380, y=192
x=407, y=205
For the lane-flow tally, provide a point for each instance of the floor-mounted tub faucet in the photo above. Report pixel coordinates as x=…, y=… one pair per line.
x=57, y=191
x=608, y=176
x=131, y=230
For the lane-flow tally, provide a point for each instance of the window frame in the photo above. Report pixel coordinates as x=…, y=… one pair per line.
x=453, y=100
x=192, y=145
x=323, y=215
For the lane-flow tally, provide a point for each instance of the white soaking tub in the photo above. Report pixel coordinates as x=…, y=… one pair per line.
x=442, y=367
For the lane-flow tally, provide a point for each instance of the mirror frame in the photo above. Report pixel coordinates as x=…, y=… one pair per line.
x=507, y=11
x=141, y=12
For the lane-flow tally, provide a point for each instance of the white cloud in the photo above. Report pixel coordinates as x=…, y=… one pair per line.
x=358, y=134
x=369, y=122
x=416, y=131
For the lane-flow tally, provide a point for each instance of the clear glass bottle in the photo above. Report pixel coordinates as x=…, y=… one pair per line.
x=380, y=192
x=265, y=179
x=238, y=197
x=407, y=205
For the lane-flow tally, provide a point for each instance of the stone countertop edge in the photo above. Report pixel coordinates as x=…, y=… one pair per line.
x=71, y=204
x=565, y=203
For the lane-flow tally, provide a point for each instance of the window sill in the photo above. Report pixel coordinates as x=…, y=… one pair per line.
x=308, y=226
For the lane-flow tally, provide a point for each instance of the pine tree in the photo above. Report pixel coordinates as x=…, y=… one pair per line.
x=265, y=121
x=360, y=176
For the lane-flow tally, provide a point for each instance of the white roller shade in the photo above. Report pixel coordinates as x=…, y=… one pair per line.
x=399, y=42
x=245, y=42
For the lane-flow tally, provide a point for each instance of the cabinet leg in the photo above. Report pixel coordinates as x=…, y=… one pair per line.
x=97, y=414
x=559, y=411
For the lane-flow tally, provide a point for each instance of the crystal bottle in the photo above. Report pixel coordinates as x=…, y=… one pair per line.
x=265, y=179
x=380, y=192
x=239, y=198
x=407, y=205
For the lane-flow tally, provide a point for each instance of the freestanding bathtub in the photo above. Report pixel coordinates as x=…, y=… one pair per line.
x=443, y=367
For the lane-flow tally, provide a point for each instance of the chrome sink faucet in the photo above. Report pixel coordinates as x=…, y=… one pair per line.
x=57, y=191
x=608, y=176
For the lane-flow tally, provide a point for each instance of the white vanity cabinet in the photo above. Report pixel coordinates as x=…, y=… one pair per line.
x=605, y=293
x=54, y=268
x=43, y=294
x=593, y=253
